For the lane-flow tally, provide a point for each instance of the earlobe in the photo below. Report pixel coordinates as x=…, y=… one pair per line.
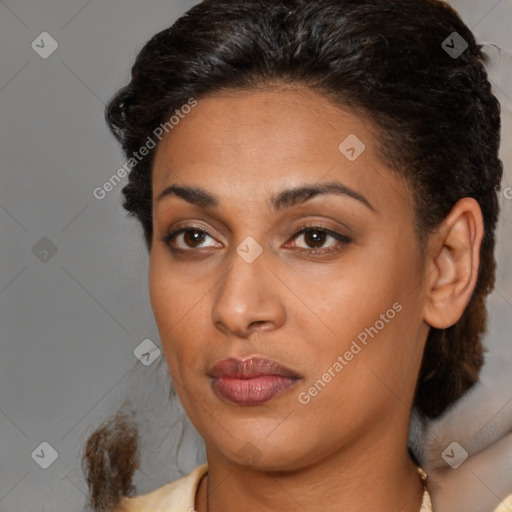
x=454, y=262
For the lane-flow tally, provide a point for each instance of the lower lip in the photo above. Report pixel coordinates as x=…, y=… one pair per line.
x=255, y=391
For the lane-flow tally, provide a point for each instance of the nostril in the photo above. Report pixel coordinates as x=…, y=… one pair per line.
x=256, y=324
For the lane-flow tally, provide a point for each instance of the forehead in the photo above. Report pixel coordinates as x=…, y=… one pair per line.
x=268, y=139
x=292, y=123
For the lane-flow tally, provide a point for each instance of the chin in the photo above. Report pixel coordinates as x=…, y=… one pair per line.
x=256, y=451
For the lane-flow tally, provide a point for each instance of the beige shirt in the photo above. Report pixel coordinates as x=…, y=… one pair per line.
x=179, y=496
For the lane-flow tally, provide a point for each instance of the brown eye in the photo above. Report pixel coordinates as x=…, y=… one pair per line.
x=315, y=237
x=191, y=238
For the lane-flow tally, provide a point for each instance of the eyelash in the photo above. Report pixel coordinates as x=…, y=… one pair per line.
x=342, y=239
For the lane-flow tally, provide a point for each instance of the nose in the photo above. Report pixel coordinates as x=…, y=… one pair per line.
x=248, y=298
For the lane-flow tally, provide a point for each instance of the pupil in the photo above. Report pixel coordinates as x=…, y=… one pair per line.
x=197, y=239
x=317, y=236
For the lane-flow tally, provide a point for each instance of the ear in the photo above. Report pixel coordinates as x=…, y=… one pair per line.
x=453, y=263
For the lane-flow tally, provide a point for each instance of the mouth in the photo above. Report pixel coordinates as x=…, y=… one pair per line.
x=252, y=381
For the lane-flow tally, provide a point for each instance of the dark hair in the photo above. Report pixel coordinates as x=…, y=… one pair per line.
x=435, y=119
x=110, y=459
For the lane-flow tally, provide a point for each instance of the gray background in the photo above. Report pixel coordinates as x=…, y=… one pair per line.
x=70, y=325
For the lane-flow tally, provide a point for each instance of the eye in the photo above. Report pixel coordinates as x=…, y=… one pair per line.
x=316, y=236
x=190, y=236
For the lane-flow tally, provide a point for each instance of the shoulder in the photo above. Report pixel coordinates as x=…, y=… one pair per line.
x=177, y=496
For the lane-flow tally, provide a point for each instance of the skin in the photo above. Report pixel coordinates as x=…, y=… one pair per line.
x=302, y=310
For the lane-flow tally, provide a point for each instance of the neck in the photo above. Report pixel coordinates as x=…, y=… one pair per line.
x=365, y=475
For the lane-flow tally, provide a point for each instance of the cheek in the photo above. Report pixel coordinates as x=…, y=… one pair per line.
x=173, y=296
x=341, y=301
x=178, y=308
x=366, y=313
x=164, y=301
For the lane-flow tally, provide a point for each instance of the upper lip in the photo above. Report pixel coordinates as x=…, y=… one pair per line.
x=249, y=368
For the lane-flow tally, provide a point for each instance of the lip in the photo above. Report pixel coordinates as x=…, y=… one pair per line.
x=251, y=381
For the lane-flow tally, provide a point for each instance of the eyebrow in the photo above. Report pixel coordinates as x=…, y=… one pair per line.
x=284, y=199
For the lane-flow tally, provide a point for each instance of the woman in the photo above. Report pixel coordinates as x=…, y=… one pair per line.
x=317, y=184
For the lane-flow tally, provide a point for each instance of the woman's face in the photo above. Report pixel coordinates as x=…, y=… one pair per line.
x=336, y=310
